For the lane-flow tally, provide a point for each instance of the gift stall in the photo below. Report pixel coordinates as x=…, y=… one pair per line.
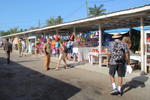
x=83, y=44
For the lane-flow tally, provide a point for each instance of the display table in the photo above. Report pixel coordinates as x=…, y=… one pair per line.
x=93, y=56
x=138, y=58
x=82, y=52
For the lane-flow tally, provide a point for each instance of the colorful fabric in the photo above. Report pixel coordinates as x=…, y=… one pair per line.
x=53, y=44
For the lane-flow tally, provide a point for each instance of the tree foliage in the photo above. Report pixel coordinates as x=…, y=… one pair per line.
x=96, y=10
x=11, y=31
x=54, y=21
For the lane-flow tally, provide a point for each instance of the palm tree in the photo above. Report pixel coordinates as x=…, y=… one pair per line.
x=96, y=10
x=59, y=20
x=54, y=21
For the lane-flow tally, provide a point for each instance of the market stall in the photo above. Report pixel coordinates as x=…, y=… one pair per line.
x=134, y=17
x=83, y=44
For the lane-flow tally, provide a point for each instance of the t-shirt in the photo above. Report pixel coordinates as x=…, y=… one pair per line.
x=48, y=48
x=8, y=47
x=69, y=44
x=111, y=48
x=23, y=44
x=57, y=44
x=19, y=45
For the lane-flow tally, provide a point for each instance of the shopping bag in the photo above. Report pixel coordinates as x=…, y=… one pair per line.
x=129, y=69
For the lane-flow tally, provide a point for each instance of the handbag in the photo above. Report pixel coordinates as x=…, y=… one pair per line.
x=129, y=69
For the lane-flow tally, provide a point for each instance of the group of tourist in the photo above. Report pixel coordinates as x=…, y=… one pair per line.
x=55, y=45
x=60, y=49
x=118, y=56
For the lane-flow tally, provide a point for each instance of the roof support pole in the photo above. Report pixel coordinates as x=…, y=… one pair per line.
x=130, y=31
x=56, y=31
x=142, y=46
x=74, y=32
x=35, y=43
x=100, y=45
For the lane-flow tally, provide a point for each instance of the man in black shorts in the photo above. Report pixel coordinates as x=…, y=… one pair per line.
x=118, y=56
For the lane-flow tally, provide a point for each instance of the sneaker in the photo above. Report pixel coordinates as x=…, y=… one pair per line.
x=120, y=93
x=114, y=91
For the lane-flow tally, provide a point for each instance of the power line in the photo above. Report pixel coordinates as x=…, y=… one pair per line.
x=75, y=11
x=87, y=7
x=101, y=1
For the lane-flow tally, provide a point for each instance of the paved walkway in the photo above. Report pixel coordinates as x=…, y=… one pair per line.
x=26, y=79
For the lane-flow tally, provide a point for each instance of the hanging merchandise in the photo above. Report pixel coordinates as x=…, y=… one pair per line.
x=57, y=37
x=97, y=33
x=80, y=34
x=91, y=36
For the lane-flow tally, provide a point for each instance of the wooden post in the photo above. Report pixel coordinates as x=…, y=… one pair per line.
x=35, y=44
x=130, y=31
x=56, y=31
x=74, y=31
x=142, y=47
x=100, y=46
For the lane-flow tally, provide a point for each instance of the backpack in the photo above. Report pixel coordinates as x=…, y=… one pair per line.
x=8, y=47
x=118, y=53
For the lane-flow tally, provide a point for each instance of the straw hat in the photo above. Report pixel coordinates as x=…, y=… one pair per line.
x=116, y=36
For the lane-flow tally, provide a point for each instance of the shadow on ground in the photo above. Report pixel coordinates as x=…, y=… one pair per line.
x=74, y=64
x=26, y=61
x=136, y=82
x=20, y=83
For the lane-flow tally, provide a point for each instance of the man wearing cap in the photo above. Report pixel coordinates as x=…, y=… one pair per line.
x=118, y=56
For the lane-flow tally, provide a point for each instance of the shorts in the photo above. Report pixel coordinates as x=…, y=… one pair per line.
x=61, y=56
x=69, y=50
x=120, y=68
x=56, y=50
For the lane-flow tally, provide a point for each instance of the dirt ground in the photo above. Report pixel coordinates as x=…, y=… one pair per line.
x=26, y=79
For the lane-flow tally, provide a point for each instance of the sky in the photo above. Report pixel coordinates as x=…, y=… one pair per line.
x=28, y=13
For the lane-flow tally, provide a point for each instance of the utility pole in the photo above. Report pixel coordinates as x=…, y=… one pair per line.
x=87, y=8
x=39, y=23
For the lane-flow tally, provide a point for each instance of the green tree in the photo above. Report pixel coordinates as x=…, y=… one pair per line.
x=96, y=10
x=54, y=21
x=11, y=31
x=59, y=20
